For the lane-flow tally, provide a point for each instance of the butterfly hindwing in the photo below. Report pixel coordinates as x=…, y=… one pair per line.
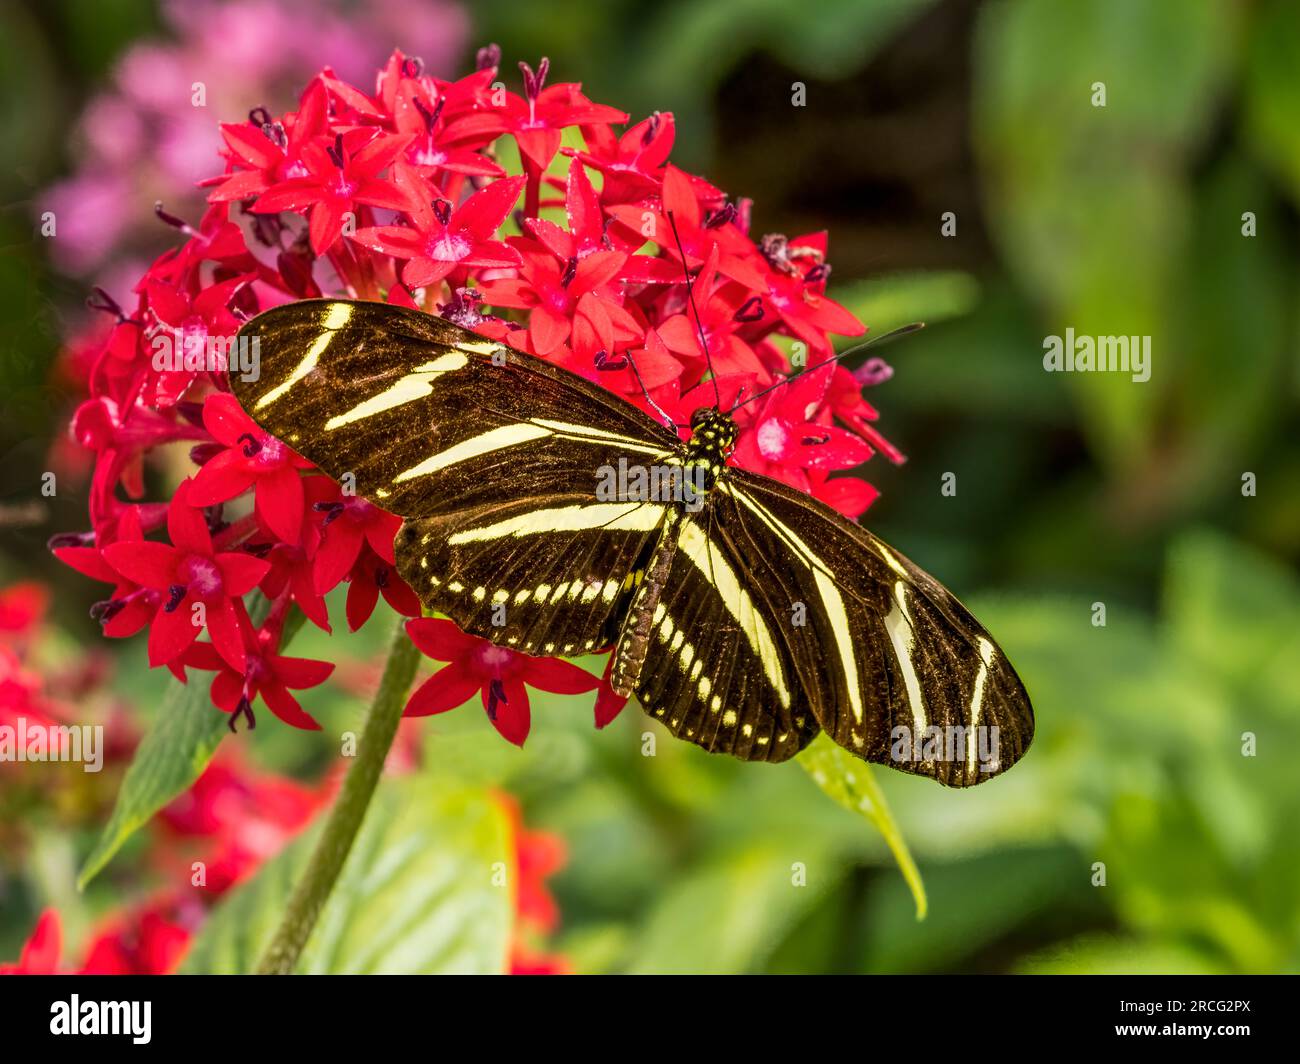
x=548, y=575
x=717, y=672
x=898, y=672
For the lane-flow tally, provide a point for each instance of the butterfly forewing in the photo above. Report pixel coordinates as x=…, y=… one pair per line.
x=492, y=456
x=428, y=417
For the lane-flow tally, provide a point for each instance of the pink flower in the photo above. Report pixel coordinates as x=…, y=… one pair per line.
x=497, y=674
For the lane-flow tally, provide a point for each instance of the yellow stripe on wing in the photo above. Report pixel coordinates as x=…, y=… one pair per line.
x=831, y=599
x=335, y=318
x=716, y=570
x=415, y=385
x=614, y=516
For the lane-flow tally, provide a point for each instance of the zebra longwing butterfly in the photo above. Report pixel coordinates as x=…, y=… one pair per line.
x=492, y=457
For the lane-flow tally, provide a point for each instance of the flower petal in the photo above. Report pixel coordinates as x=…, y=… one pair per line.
x=221, y=478
x=240, y=573
x=145, y=563
x=186, y=525
x=171, y=634
x=286, y=707
x=301, y=673
x=223, y=629
x=446, y=689
x=362, y=596
x=483, y=213
x=512, y=718
x=337, y=554
x=558, y=677
x=440, y=639
x=279, y=503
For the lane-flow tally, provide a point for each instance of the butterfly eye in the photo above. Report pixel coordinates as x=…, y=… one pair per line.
x=699, y=417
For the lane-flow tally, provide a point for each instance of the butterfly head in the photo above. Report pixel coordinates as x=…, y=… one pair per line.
x=713, y=436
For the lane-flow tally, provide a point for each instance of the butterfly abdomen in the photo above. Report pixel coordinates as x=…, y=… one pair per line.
x=634, y=639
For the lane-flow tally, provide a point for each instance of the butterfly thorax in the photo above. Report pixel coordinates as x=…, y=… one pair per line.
x=713, y=438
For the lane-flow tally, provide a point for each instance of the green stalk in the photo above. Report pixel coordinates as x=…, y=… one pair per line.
x=335, y=843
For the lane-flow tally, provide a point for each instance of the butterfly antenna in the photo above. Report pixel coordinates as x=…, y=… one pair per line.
x=663, y=415
x=889, y=337
x=699, y=326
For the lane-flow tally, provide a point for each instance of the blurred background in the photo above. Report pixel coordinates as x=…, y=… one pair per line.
x=1152, y=827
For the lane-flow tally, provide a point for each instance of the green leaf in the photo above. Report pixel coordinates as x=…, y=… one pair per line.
x=1099, y=954
x=885, y=303
x=1231, y=609
x=173, y=754
x=1091, y=204
x=1272, y=92
x=731, y=914
x=851, y=783
x=416, y=896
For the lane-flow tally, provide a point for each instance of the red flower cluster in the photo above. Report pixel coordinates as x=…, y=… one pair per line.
x=538, y=855
x=230, y=822
x=43, y=690
x=399, y=195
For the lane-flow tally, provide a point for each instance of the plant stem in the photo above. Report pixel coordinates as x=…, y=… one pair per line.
x=313, y=890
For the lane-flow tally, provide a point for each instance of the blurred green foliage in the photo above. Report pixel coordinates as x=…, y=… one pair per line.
x=1163, y=753
x=417, y=896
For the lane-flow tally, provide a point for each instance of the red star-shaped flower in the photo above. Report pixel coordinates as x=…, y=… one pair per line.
x=498, y=674
x=338, y=178
x=131, y=606
x=266, y=675
x=347, y=524
x=440, y=238
x=190, y=571
x=781, y=439
x=563, y=297
x=250, y=458
x=536, y=119
x=268, y=152
x=371, y=577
